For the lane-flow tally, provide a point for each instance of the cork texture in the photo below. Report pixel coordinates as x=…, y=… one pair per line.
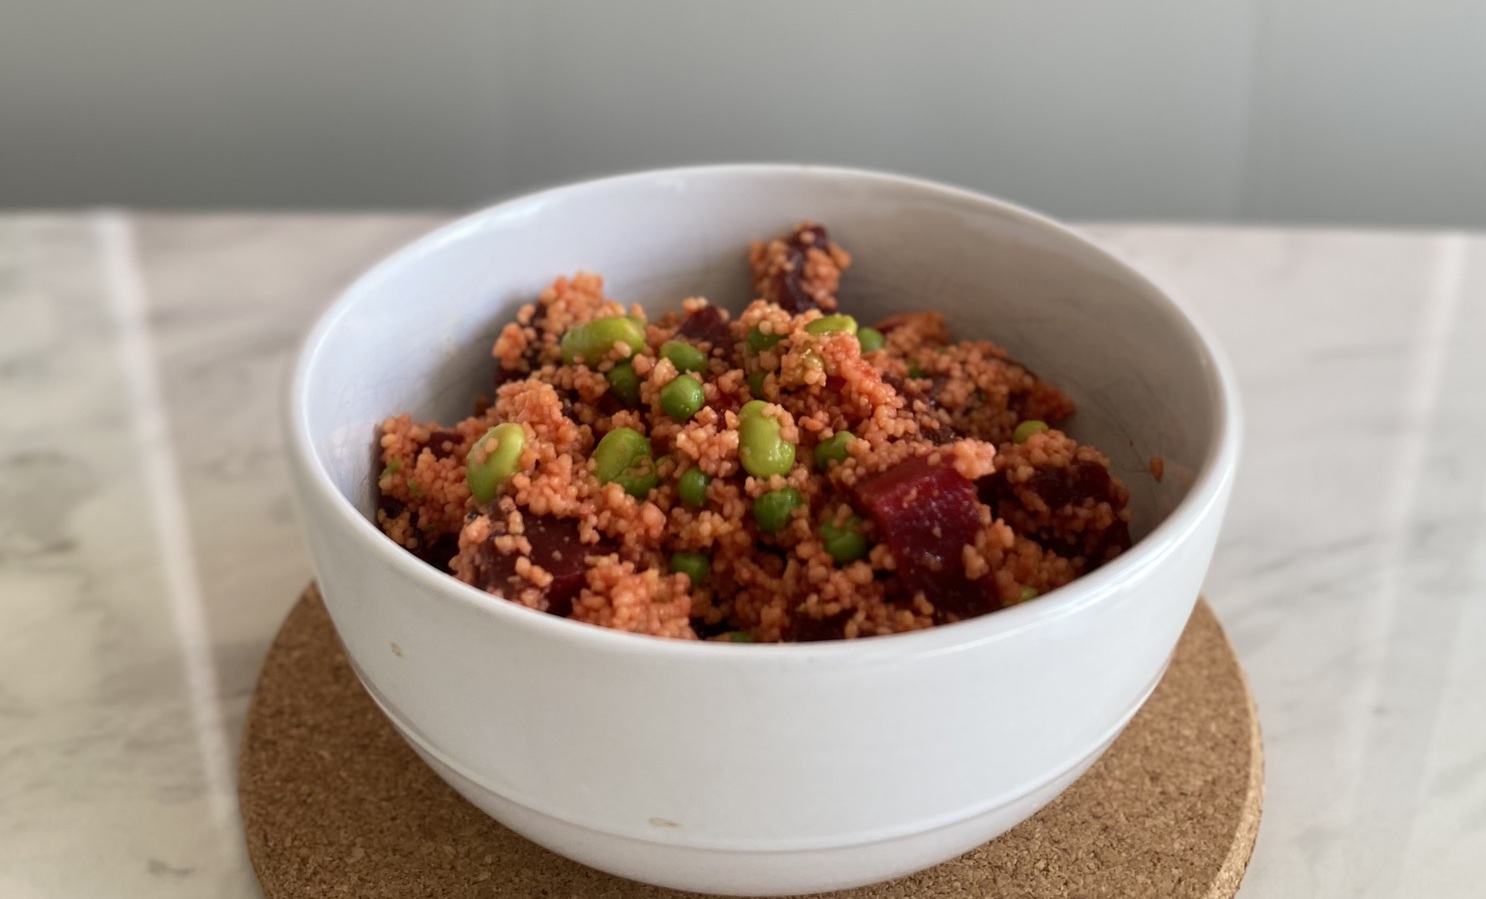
x=334, y=804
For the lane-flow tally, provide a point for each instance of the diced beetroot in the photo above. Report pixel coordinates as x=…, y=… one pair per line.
x=927, y=513
x=804, y=629
x=608, y=404
x=926, y=391
x=439, y=551
x=791, y=291
x=555, y=547
x=792, y=295
x=505, y=375
x=390, y=504
x=444, y=444
x=789, y=281
x=1049, y=520
x=810, y=236
x=707, y=324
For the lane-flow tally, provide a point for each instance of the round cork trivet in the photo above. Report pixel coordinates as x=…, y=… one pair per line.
x=334, y=803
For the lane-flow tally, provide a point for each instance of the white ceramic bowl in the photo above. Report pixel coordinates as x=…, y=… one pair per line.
x=759, y=769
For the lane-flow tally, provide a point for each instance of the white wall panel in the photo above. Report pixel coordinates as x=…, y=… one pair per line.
x=1368, y=111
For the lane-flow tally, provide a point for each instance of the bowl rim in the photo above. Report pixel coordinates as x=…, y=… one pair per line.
x=1213, y=477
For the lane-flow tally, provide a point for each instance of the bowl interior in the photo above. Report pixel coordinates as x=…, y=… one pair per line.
x=414, y=334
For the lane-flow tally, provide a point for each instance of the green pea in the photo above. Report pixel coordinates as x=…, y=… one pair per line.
x=624, y=457
x=740, y=637
x=772, y=510
x=692, y=487
x=683, y=355
x=871, y=339
x=760, y=448
x=756, y=384
x=624, y=382
x=693, y=565
x=759, y=341
x=914, y=371
x=594, y=341
x=833, y=324
x=681, y=398
x=832, y=449
x=1027, y=429
x=488, y=466
x=846, y=542
x=1029, y=593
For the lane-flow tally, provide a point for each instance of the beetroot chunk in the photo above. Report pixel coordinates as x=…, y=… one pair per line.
x=555, y=547
x=1061, y=494
x=780, y=277
x=927, y=513
x=707, y=324
x=444, y=444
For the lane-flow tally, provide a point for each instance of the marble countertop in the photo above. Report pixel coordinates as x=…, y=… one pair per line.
x=148, y=549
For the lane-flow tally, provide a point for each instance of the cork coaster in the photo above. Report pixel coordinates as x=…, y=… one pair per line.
x=335, y=804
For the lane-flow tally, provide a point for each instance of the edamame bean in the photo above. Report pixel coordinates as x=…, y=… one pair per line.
x=756, y=384
x=639, y=479
x=845, y=542
x=493, y=459
x=683, y=355
x=1027, y=429
x=1029, y=593
x=681, y=398
x=740, y=637
x=914, y=371
x=692, y=487
x=871, y=339
x=624, y=382
x=593, y=342
x=760, y=448
x=832, y=449
x=693, y=565
x=624, y=457
x=772, y=510
x=833, y=324
x=759, y=341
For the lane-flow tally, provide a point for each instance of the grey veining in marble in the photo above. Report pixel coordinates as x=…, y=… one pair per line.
x=148, y=550
x=1352, y=570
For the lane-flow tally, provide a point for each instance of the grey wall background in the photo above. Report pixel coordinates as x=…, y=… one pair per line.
x=1321, y=111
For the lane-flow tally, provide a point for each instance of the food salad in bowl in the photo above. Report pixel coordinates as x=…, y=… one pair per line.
x=789, y=475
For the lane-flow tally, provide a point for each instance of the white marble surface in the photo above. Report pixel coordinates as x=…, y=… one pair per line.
x=148, y=550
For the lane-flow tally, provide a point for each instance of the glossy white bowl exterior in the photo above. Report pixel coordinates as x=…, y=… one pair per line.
x=763, y=769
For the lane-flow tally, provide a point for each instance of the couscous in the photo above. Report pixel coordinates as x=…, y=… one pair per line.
x=785, y=475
